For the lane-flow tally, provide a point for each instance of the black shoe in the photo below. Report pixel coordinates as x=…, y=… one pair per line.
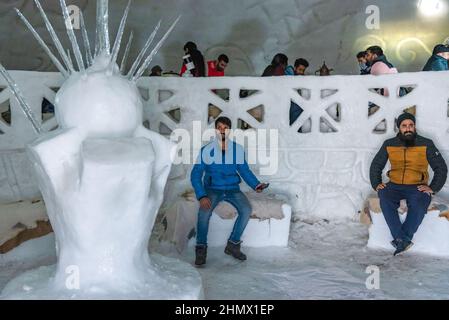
x=402, y=246
x=201, y=254
x=394, y=243
x=233, y=249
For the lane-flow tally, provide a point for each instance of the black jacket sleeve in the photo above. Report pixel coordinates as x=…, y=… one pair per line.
x=438, y=166
x=378, y=164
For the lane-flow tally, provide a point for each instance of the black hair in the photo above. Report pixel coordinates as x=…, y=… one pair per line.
x=224, y=120
x=376, y=50
x=190, y=46
x=361, y=54
x=198, y=61
x=223, y=57
x=301, y=62
x=279, y=59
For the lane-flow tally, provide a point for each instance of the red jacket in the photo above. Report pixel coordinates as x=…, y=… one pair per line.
x=212, y=70
x=183, y=70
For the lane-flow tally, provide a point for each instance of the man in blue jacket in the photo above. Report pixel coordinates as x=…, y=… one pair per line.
x=438, y=60
x=215, y=178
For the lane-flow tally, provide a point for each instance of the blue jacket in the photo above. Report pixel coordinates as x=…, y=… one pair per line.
x=221, y=169
x=289, y=71
x=436, y=63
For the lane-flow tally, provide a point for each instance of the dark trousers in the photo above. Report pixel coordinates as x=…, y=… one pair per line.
x=417, y=204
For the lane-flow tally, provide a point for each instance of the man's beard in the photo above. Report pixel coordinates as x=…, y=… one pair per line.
x=408, y=138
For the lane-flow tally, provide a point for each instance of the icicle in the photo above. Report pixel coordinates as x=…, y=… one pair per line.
x=55, y=38
x=148, y=60
x=43, y=44
x=23, y=104
x=89, y=57
x=72, y=37
x=118, y=38
x=142, y=52
x=102, y=38
x=125, y=56
x=69, y=56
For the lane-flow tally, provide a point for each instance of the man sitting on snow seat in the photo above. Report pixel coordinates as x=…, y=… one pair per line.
x=222, y=162
x=410, y=155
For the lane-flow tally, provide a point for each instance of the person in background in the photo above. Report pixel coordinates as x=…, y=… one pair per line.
x=156, y=71
x=378, y=61
x=216, y=68
x=438, y=60
x=363, y=63
x=380, y=65
x=277, y=66
x=299, y=68
x=195, y=61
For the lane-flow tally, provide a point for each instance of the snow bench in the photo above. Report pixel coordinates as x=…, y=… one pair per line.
x=269, y=224
x=432, y=237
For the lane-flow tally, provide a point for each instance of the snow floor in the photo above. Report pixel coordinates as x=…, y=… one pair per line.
x=325, y=260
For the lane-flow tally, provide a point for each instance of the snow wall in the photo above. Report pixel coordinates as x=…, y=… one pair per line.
x=324, y=170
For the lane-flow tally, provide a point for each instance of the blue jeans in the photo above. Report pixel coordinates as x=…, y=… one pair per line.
x=238, y=200
x=417, y=204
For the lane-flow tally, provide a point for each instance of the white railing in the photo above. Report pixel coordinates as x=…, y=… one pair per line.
x=324, y=171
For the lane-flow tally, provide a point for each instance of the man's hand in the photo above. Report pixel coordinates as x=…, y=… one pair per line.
x=205, y=203
x=261, y=186
x=425, y=189
x=380, y=186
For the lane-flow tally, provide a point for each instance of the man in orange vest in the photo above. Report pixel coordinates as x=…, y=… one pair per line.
x=410, y=156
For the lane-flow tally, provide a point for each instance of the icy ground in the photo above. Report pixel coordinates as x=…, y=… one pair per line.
x=325, y=260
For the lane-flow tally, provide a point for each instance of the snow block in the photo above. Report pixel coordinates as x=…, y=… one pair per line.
x=432, y=237
x=269, y=224
x=258, y=233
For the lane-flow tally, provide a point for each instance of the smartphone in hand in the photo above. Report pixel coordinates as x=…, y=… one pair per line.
x=263, y=186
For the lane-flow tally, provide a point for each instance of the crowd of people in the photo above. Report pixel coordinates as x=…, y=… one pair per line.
x=193, y=65
x=371, y=61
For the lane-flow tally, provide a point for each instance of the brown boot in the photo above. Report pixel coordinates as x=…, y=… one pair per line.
x=233, y=249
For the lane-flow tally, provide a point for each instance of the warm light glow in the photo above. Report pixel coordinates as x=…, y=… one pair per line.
x=431, y=8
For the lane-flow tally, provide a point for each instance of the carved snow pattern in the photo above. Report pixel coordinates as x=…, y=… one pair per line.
x=321, y=110
x=385, y=104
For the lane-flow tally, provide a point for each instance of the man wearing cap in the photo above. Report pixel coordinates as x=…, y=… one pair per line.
x=438, y=60
x=156, y=71
x=410, y=155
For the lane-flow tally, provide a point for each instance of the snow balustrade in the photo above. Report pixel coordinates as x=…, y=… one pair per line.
x=320, y=163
